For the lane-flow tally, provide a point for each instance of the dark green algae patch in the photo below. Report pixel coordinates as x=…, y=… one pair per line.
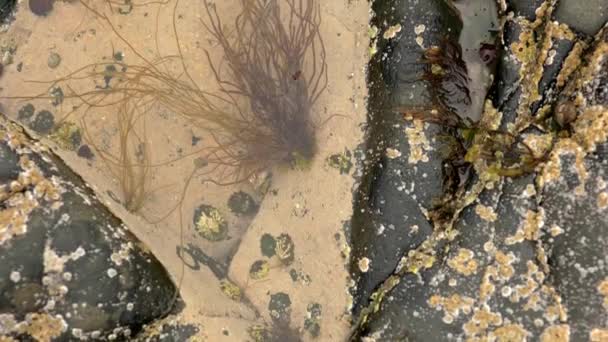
x=522, y=254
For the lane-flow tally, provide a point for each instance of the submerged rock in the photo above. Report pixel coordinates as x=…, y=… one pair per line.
x=69, y=268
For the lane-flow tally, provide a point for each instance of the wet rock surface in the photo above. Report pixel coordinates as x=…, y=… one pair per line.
x=522, y=256
x=584, y=16
x=403, y=163
x=69, y=269
x=6, y=7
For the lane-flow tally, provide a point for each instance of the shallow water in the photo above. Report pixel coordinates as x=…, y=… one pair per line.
x=309, y=205
x=272, y=248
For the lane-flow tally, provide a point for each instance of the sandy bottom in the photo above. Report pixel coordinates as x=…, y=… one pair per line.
x=309, y=205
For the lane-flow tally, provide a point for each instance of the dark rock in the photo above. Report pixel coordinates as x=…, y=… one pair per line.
x=242, y=203
x=529, y=65
x=403, y=169
x=525, y=258
x=575, y=199
x=68, y=267
x=524, y=8
x=490, y=275
x=576, y=226
x=268, y=245
x=9, y=165
x=6, y=8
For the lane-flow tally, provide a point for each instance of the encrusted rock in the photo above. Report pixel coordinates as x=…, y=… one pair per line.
x=69, y=268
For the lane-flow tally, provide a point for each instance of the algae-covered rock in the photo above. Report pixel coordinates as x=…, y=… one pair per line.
x=417, y=63
x=69, y=268
x=6, y=7
x=523, y=257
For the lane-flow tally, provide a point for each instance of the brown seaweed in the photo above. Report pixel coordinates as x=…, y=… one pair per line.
x=278, y=65
x=261, y=116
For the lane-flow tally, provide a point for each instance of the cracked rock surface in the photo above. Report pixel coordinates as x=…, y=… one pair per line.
x=521, y=252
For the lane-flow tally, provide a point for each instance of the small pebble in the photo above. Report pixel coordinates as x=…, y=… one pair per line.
x=54, y=60
x=85, y=152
